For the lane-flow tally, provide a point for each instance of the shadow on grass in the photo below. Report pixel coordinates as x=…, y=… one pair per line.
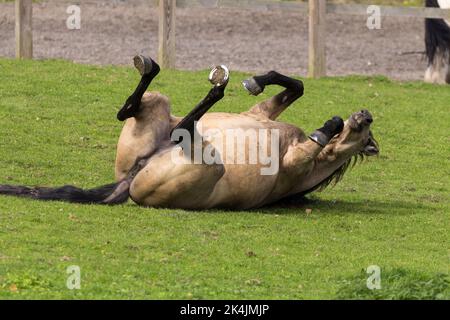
x=299, y=207
x=293, y=206
x=337, y=207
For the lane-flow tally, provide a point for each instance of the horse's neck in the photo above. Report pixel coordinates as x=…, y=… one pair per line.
x=323, y=169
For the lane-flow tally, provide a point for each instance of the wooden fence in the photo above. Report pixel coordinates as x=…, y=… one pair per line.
x=24, y=29
x=316, y=10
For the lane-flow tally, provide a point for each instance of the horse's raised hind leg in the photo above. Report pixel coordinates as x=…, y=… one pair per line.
x=274, y=106
x=170, y=179
x=147, y=122
x=148, y=69
x=213, y=96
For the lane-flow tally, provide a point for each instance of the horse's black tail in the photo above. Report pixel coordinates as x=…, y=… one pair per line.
x=115, y=193
x=437, y=34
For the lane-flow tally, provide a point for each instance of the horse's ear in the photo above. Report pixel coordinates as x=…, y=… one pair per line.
x=371, y=148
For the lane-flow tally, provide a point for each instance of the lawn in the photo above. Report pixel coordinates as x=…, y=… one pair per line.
x=58, y=127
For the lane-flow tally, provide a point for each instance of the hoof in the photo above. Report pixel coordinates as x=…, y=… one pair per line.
x=338, y=125
x=320, y=138
x=143, y=64
x=330, y=128
x=252, y=86
x=219, y=76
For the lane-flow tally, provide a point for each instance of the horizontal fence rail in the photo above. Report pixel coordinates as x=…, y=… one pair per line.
x=389, y=11
x=353, y=9
x=253, y=4
x=316, y=10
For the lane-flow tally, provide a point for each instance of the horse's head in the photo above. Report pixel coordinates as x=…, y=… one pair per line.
x=356, y=138
x=355, y=141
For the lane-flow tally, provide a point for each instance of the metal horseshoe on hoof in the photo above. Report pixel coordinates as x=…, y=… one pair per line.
x=219, y=76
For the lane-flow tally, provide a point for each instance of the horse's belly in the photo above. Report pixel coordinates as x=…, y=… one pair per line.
x=242, y=187
x=172, y=184
x=250, y=151
x=243, y=150
x=169, y=182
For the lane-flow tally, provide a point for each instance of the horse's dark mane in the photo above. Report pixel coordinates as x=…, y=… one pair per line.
x=339, y=173
x=333, y=179
x=437, y=34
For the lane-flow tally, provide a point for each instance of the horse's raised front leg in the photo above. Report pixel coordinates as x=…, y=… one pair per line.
x=330, y=128
x=300, y=155
x=274, y=106
x=148, y=69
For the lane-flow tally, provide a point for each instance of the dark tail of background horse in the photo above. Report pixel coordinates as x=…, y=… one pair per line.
x=437, y=34
x=110, y=194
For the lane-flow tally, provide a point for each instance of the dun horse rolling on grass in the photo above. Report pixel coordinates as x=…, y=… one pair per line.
x=219, y=160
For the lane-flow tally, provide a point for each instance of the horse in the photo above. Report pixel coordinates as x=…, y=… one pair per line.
x=157, y=164
x=437, y=45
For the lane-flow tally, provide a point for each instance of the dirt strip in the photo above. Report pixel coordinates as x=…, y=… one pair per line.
x=247, y=40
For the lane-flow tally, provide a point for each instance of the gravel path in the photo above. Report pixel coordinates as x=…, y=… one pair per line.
x=247, y=40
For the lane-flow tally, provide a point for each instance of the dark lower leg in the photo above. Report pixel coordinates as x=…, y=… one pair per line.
x=330, y=128
x=273, y=107
x=188, y=123
x=274, y=77
x=143, y=85
x=276, y=105
x=257, y=84
x=131, y=106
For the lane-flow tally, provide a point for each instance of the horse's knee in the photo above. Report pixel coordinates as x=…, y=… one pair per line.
x=294, y=85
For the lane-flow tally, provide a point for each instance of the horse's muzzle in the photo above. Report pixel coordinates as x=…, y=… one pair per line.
x=360, y=119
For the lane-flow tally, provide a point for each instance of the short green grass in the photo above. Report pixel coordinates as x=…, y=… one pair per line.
x=58, y=127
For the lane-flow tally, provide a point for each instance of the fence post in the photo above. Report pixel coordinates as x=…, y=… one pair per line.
x=166, y=52
x=317, y=63
x=24, y=29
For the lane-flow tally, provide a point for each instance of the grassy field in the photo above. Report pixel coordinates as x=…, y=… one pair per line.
x=58, y=127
